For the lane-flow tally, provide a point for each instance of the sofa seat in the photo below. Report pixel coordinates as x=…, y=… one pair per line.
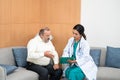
x=108, y=73
x=22, y=74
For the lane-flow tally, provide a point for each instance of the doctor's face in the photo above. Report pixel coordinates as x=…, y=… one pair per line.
x=76, y=35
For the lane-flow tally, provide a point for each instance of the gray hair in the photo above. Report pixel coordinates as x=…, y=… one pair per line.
x=41, y=32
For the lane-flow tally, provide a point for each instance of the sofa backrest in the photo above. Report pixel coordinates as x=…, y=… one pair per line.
x=6, y=56
x=103, y=55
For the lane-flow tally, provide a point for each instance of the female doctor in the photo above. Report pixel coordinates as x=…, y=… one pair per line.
x=83, y=66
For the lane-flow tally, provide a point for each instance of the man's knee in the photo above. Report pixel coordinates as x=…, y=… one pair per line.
x=44, y=73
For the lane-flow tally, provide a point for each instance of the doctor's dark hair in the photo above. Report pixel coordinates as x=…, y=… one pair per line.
x=80, y=29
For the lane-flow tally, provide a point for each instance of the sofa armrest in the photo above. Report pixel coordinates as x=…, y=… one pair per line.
x=2, y=73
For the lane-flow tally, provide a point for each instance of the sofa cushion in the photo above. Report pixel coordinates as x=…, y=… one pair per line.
x=6, y=56
x=113, y=57
x=9, y=68
x=108, y=73
x=23, y=74
x=95, y=53
x=20, y=55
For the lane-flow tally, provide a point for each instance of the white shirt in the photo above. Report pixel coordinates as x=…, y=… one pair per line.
x=36, y=48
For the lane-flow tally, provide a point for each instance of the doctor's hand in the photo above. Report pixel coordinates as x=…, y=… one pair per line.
x=48, y=54
x=72, y=61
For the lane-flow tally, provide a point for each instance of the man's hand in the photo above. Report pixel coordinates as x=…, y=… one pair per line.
x=56, y=66
x=48, y=54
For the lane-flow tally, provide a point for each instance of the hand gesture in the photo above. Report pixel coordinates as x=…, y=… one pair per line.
x=56, y=66
x=48, y=54
x=72, y=61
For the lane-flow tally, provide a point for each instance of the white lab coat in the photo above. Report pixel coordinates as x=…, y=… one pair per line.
x=83, y=58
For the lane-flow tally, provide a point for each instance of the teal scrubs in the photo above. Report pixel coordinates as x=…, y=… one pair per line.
x=74, y=72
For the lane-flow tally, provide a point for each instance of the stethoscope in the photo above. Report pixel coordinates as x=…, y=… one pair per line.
x=71, y=47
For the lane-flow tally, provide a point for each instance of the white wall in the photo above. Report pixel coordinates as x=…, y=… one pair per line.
x=101, y=19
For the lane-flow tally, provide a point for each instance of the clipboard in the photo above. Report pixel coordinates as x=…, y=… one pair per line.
x=64, y=60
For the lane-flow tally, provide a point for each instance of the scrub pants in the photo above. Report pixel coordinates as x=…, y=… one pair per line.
x=74, y=73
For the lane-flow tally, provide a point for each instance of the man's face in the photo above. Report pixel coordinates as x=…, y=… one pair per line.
x=46, y=36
